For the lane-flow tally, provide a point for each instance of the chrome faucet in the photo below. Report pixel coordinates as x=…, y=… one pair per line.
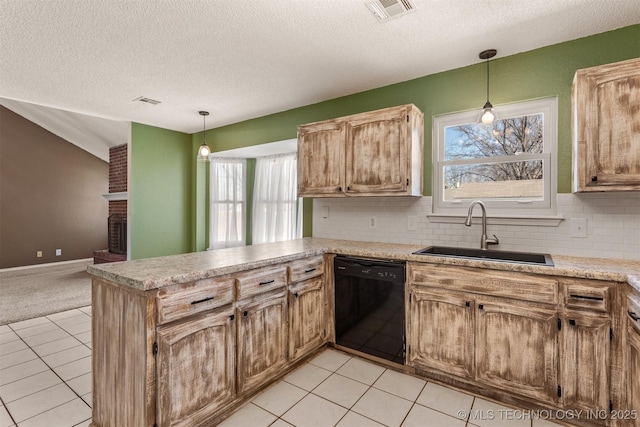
x=484, y=242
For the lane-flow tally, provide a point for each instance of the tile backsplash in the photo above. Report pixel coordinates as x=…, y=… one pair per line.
x=612, y=220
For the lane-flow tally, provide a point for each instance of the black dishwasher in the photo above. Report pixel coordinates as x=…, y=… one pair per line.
x=369, y=306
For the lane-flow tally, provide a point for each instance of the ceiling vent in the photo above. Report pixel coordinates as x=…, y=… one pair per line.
x=147, y=100
x=386, y=9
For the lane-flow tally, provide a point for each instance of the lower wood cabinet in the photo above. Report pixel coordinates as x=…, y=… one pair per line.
x=441, y=331
x=517, y=348
x=586, y=350
x=306, y=317
x=262, y=339
x=195, y=368
x=550, y=341
x=633, y=370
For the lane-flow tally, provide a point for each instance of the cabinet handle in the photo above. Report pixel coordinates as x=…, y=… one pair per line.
x=339, y=188
x=201, y=300
x=233, y=316
x=481, y=307
x=572, y=322
x=594, y=178
x=309, y=270
x=633, y=315
x=348, y=187
x=468, y=303
x=245, y=313
x=295, y=295
x=267, y=282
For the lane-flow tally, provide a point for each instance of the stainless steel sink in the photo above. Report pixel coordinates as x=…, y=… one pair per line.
x=488, y=255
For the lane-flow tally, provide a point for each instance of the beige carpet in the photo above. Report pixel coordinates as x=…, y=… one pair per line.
x=42, y=290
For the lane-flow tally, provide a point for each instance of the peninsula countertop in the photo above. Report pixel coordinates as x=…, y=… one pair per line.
x=153, y=273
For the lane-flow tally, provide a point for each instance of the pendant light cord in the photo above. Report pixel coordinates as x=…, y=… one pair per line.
x=487, y=79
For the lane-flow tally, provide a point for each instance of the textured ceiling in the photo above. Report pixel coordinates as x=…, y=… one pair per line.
x=245, y=59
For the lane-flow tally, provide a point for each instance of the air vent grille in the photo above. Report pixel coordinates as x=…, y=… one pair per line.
x=386, y=9
x=147, y=100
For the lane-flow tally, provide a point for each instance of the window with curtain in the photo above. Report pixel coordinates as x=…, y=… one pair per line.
x=277, y=211
x=227, y=203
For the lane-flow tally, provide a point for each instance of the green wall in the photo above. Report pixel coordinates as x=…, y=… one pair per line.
x=169, y=188
x=160, y=192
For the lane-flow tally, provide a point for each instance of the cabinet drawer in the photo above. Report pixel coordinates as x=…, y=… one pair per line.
x=306, y=269
x=261, y=280
x=587, y=295
x=175, y=303
x=521, y=286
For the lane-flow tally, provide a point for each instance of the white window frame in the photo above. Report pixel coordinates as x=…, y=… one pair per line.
x=214, y=242
x=511, y=208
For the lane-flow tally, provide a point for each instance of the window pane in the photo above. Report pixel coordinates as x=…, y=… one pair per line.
x=506, y=180
x=506, y=137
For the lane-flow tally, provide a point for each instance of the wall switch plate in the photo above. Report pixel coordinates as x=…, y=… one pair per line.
x=579, y=227
x=39, y=254
x=373, y=222
x=412, y=223
x=58, y=252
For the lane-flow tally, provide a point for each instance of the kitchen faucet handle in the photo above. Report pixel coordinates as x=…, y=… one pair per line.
x=494, y=241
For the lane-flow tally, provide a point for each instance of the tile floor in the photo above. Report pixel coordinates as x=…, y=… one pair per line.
x=45, y=381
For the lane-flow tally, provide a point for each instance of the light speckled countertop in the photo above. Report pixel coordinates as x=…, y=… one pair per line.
x=153, y=273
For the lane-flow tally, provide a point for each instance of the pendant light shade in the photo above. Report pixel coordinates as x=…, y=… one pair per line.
x=204, y=150
x=487, y=116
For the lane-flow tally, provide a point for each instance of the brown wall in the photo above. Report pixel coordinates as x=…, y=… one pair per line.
x=50, y=196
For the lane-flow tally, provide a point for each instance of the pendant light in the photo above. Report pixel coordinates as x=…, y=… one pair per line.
x=487, y=116
x=204, y=150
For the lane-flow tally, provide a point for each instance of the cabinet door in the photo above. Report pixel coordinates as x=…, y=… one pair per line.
x=586, y=346
x=606, y=99
x=441, y=333
x=377, y=154
x=306, y=317
x=516, y=348
x=321, y=159
x=633, y=370
x=195, y=368
x=262, y=340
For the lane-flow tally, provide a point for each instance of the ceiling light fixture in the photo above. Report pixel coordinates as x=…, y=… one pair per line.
x=487, y=116
x=204, y=150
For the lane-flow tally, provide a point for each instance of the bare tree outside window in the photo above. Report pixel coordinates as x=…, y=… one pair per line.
x=490, y=157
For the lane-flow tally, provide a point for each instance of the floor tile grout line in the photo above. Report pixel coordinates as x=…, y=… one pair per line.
x=54, y=372
x=8, y=413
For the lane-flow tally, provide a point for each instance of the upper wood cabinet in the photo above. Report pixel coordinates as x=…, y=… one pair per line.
x=378, y=153
x=606, y=127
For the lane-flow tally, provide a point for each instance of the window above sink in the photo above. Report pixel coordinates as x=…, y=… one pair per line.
x=511, y=164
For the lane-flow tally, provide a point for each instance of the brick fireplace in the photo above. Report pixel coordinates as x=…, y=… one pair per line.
x=116, y=223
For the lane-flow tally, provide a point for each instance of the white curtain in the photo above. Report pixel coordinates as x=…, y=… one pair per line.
x=277, y=212
x=227, y=203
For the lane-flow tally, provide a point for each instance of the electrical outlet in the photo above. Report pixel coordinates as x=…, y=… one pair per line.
x=39, y=254
x=412, y=223
x=58, y=252
x=579, y=227
x=373, y=222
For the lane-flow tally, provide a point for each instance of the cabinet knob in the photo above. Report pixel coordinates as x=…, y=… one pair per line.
x=468, y=303
x=295, y=295
x=339, y=188
x=245, y=313
x=481, y=306
x=572, y=322
x=348, y=187
x=594, y=178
